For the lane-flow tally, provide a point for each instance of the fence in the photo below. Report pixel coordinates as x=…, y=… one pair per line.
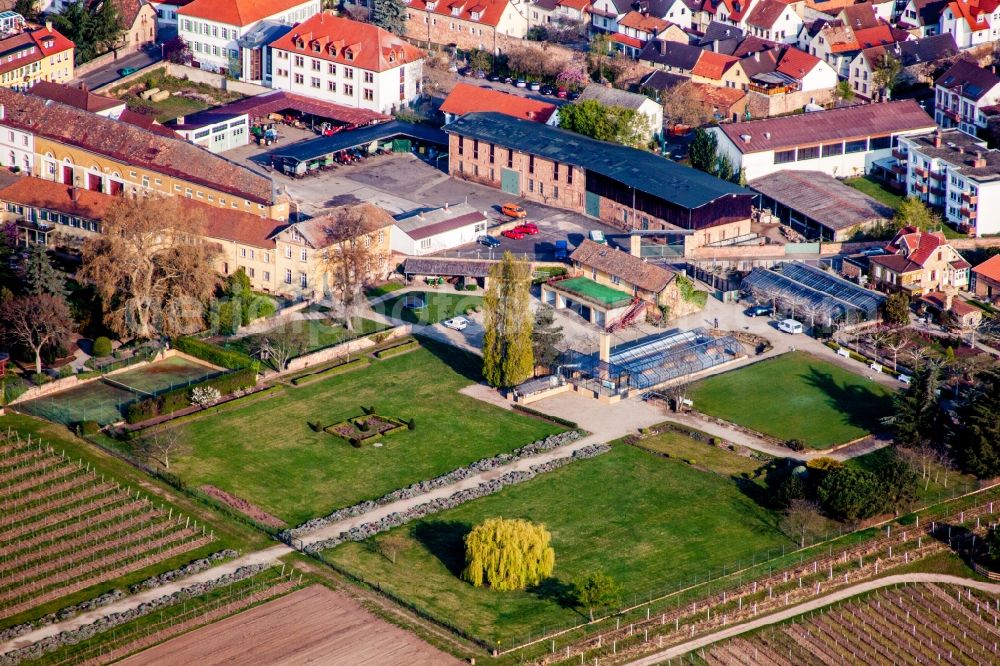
x=66, y=383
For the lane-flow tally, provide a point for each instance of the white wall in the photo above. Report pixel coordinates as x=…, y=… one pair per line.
x=403, y=244
x=17, y=148
x=822, y=77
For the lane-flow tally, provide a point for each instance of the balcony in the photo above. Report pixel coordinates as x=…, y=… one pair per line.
x=937, y=191
x=951, y=114
x=970, y=198
x=938, y=175
x=920, y=171
x=898, y=169
x=971, y=214
x=899, y=154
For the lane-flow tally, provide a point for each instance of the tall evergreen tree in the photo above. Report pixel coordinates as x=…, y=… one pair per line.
x=40, y=276
x=704, y=151
x=918, y=416
x=545, y=335
x=507, y=350
x=977, y=440
x=390, y=15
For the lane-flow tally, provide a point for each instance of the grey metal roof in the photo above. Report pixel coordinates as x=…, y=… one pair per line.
x=423, y=224
x=822, y=198
x=613, y=96
x=642, y=170
x=451, y=267
x=312, y=149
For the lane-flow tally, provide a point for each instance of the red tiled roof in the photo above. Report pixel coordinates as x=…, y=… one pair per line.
x=870, y=37
x=77, y=96
x=130, y=144
x=236, y=12
x=918, y=246
x=766, y=12
x=797, y=63
x=51, y=41
x=369, y=47
x=896, y=263
x=712, y=65
x=19, y=43
x=975, y=12
x=644, y=22
x=128, y=10
x=40, y=193
x=989, y=269
x=842, y=124
x=238, y=226
x=626, y=40
x=488, y=11
x=466, y=98
x=261, y=105
x=629, y=268
x=717, y=96
x=578, y=5
x=147, y=123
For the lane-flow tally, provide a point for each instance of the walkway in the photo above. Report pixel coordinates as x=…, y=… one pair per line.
x=267, y=555
x=605, y=423
x=814, y=604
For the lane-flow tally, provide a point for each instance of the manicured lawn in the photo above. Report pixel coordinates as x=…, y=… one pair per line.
x=796, y=396
x=438, y=306
x=267, y=454
x=648, y=522
x=318, y=333
x=703, y=455
x=874, y=189
x=383, y=289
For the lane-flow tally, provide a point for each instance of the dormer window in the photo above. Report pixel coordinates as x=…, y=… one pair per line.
x=455, y=11
x=316, y=47
x=349, y=54
x=392, y=57
x=475, y=16
x=300, y=44
x=431, y=6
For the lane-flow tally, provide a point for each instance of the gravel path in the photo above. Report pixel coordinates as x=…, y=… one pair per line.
x=821, y=602
x=131, y=601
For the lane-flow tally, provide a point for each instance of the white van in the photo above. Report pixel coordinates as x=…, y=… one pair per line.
x=790, y=326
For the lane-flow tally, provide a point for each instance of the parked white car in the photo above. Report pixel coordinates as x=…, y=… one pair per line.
x=790, y=326
x=456, y=323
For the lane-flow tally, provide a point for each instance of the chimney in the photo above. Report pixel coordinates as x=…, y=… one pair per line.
x=635, y=245
x=980, y=161
x=48, y=26
x=937, y=138
x=420, y=214
x=605, y=349
x=961, y=150
x=756, y=56
x=446, y=205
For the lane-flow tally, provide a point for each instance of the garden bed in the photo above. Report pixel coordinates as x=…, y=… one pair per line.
x=243, y=506
x=361, y=430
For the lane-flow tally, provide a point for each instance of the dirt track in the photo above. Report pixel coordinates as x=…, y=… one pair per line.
x=312, y=626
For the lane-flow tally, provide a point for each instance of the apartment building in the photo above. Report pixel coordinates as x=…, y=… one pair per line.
x=956, y=174
x=347, y=62
x=962, y=94
x=33, y=55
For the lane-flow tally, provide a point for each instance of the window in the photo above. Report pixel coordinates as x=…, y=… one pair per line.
x=784, y=156
x=288, y=252
x=492, y=151
x=569, y=176
x=555, y=191
x=250, y=272
x=880, y=143
x=315, y=64
x=314, y=82
x=369, y=77
x=810, y=153
x=531, y=164
x=331, y=86
x=859, y=146
x=555, y=171
x=833, y=149
x=299, y=78
x=461, y=144
x=303, y=282
x=348, y=90
x=348, y=72
x=267, y=276
x=510, y=158
x=531, y=184
x=475, y=149
x=615, y=279
x=299, y=61
x=288, y=276
x=303, y=255
x=331, y=69
x=425, y=244
x=369, y=94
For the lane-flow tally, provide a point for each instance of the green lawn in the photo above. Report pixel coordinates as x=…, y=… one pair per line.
x=595, y=291
x=703, y=455
x=438, y=306
x=649, y=522
x=874, y=189
x=267, y=454
x=796, y=396
x=318, y=333
x=383, y=289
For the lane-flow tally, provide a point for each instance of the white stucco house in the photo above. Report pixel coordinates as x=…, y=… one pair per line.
x=419, y=233
x=211, y=28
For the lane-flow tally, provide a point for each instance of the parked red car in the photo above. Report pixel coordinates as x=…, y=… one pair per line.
x=528, y=228
x=515, y=234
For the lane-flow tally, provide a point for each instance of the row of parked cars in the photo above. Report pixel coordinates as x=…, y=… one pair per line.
x=535, y=86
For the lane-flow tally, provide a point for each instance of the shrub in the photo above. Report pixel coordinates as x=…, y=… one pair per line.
x=229, y=317
x=356, y=443
x=330, y=372
x=690, y=461
x=172, y=401
x=379, y=338
x=508, y=554
x=203, y=396
x=795, y=445
x=401, y=348
x=40, y=378
x=66, y=371
x=101, y=347
x=471, y=287
x=314, y=426
x=206, y=351
x=368, y=410
x=411, y=424
x=362, y=425
x=479, y=308
x=88, y=428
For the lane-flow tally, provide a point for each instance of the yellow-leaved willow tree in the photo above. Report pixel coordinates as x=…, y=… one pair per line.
x=508, y=554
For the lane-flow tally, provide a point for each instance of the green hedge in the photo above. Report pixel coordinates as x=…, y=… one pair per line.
x=330, y=372
x=206, y=351
x=101, y=347
x=542, y=415
x=401, y=348
x=264, y=394
x=177, y=399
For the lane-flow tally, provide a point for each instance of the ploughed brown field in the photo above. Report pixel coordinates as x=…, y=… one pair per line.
x=313, y=625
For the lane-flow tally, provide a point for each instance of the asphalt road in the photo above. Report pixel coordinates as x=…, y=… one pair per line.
x=105, y=75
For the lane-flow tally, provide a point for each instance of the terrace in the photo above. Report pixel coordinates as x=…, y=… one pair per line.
x=601, y=295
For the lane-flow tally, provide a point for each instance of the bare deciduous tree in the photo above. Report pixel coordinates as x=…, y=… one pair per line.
x=352, y=257
x=802, y=519
x=391, y=545
x=896, y=344
x=150, y=267
x=36, y=322
x=161, y=446
x=681, y=106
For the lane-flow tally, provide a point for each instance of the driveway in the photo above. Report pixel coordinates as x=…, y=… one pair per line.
x=109, y=73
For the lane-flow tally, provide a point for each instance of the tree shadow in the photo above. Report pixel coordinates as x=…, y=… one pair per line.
x=860, y=405
x=464, y=363
x=557, y=591
x=445, y=540
x=774, y=473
